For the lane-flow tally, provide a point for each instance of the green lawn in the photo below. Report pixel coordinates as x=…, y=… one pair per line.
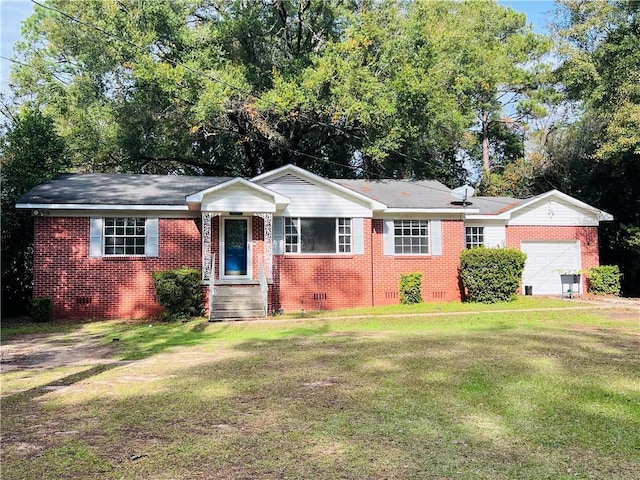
x=511, y=395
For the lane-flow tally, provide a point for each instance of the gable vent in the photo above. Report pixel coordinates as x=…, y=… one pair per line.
x=288, y=180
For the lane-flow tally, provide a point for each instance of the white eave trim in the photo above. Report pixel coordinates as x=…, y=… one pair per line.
x=563, y=197
x=278, y=198
x=301, y=172
x=84, y=206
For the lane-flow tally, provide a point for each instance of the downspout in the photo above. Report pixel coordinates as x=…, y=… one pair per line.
x=372, y=231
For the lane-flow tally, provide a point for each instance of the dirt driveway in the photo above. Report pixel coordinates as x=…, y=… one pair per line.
x=51, y=350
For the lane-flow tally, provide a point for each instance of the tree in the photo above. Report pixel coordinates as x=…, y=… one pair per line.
x=31, y=153
x=234, y=87
x=502, y=68
x=599, y=43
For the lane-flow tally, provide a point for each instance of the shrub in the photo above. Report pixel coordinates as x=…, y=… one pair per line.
x=410, y=288
x=40, y=309
x=491, y=275
x=179, y=293
x=604, y=280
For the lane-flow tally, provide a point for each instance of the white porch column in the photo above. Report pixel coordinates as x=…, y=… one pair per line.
x=268, y=243
x=207, y=217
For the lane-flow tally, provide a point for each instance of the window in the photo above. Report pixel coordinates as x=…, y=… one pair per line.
x=124, y=236
x=344, y=235
x=411, y=237
x=474, y=237
x=291, y=236
x=317, y=235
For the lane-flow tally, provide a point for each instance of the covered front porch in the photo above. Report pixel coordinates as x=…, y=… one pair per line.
x=237, y=244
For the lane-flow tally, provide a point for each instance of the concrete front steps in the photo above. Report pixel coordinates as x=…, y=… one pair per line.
x=236, y=303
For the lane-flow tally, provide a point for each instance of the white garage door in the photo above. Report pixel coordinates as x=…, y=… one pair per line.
x=544, y=262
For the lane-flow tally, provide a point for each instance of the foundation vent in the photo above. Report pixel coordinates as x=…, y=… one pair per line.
x=83, y=300
x=438, y=295
x=392, y=294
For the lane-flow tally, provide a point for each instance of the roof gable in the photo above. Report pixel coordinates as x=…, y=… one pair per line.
x=550, y=208
x=293, y=175
x=237, y=194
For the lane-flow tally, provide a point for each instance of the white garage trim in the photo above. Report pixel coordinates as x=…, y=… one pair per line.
x=545, y=261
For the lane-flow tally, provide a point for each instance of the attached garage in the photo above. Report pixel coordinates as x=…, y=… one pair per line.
x=545, y=260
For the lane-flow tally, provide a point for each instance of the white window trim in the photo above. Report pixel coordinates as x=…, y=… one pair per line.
x=296, y=221
x=479, y=232
x=124, y=236
x=97, y=243
x=428, y=235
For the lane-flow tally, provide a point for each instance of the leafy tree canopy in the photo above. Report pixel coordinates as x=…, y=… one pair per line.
x=31, y=152
x=340, y=87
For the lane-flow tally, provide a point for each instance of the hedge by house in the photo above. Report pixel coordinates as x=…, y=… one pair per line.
x=491, y=275
x=179, y=293
x=40, y=309
x=410, y=288
x=604, y=280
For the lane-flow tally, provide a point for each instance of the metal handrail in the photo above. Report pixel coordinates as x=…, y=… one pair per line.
x=264, y=286
x=212, y=283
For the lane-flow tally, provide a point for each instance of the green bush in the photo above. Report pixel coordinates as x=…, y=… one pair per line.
x=491, y=275
x=40, y=309
x=179, y=293
x=604, y=280
x=410, y=288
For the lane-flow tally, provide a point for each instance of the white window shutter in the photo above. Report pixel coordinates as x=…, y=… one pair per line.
x=357, y=224
x=436, y=237
x=278, y=235
x=95, y=237
x=151, y=246
x=388, y=238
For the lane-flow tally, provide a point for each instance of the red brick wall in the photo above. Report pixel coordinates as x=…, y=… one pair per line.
x=588, y=237
x=86, y=287
x=333, y=281
x=439, y=273
x=121, y=287
x=311, y=282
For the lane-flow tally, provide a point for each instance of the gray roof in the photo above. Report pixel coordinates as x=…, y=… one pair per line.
x=117, y=189
x=424, y=194
x=495, y=205
x=403, y=193
x=114, y=189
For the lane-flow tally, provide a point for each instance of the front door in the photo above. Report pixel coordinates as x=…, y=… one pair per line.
x=235, y=246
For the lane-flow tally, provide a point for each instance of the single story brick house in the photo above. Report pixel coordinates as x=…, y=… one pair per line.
x=314, y=243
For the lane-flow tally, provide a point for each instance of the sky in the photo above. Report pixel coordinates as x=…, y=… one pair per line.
x=14, y=12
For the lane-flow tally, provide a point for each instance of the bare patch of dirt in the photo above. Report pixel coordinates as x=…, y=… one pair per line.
x=52, y=350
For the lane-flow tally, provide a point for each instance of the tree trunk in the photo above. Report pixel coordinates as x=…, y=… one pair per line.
x=486, y=164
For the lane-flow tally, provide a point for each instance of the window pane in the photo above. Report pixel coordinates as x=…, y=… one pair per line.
x=124, y=236
x=474, y=237
x=318, y=235
x=411, y=237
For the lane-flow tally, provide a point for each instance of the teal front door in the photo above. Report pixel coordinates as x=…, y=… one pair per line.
x=235, y=246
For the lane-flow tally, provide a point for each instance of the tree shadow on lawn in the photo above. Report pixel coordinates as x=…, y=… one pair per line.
x=492, y=404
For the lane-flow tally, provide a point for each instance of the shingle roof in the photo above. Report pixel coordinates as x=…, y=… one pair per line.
x=402, y=193
x=116, y=189
x=425, y=194
x=113, y=189
x=494, y=205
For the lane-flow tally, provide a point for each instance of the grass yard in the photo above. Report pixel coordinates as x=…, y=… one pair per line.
x=491, y=395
